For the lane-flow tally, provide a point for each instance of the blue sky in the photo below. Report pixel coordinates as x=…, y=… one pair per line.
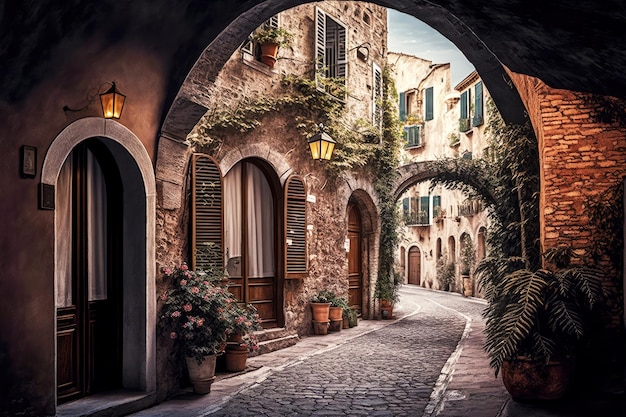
x=414, y=37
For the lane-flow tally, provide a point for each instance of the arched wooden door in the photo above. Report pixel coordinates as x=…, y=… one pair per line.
x=89, y=258
x=415, y=265
x=355, y=273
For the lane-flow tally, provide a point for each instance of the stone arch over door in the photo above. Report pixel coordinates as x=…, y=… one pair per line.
x=138, y=234
x=361, y=201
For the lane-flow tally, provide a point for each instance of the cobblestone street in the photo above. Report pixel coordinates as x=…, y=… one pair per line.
x=403, y=367
x=388, y=372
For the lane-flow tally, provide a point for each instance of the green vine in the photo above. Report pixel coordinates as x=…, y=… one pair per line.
x=310, y=108
x=385, y=166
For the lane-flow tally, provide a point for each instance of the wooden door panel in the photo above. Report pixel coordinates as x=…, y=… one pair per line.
x=68, y=360
x=414, y=266
x=355, y=275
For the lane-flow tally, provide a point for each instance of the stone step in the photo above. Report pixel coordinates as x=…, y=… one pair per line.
x=274, y=339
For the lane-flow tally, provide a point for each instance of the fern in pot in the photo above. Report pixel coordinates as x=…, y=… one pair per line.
x=536, y=319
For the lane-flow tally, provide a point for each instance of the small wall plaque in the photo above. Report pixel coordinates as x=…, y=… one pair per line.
x=46, y=196
x=28, y=161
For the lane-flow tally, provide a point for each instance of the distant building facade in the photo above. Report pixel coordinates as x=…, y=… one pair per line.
x=442, y=229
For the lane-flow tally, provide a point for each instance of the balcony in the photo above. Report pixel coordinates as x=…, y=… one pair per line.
x=477, y=121
x=464, y=125
x=470, y=208
x=419, y=218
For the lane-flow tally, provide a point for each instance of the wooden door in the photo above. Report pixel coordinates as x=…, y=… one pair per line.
x=415, y=265
x=250, y=239
x=89, y=259
x=355, y=274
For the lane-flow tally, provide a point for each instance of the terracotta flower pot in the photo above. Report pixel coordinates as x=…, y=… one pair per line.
x=529, y=380
x=201, y=374
x=320, y=311
x=269, y=51
x=335, y=313
x=236, y=359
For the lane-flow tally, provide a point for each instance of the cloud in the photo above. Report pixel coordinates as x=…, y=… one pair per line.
x=411, y=36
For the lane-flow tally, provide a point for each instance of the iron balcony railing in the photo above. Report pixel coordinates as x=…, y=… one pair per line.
x=470, y=208
x=464, y=125
x=419, y=218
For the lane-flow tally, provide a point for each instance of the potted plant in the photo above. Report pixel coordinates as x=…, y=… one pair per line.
x=468, y=259
x=192, y=315
x=270, y=39
x=337, y=306
x=387, y=292
x=243, y=321
x=535, y=320
x=320, y=307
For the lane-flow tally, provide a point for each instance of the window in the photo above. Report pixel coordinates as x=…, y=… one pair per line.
x=416, y=211
x=331, y=54
x=437, y=205
x=377, y=99
x=429, y=105
x=251, y=47
x=478, y=104
x=295, y=228
x=413, y=136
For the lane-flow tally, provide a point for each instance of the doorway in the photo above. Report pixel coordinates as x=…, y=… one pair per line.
x=355, y=264
x=415, y=265
x=88, y=291
x=250, y=225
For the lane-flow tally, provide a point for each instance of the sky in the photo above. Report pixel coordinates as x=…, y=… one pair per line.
x=414, y=37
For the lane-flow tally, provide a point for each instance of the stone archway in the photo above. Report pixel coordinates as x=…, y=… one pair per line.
x=361, y=201
x=138, y=288
x=194, y=96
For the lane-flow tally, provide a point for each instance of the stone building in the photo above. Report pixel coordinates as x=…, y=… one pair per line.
x=439, y=223
x=167, y=59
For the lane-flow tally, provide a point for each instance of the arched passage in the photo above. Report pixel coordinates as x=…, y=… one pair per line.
x=138, y=308
x=193, y=98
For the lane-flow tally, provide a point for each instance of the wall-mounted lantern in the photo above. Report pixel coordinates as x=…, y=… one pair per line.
x=112, y=102
x=322, y=145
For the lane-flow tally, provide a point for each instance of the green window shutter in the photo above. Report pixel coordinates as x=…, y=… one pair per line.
x=464, y=107
x=425, y=204
x=428, y=98
x=478, y=104
x=296, y=265
x=402, y=106
x=206, y=213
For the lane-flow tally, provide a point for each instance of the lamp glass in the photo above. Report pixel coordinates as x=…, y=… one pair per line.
x=112, y=103
x=322, y=146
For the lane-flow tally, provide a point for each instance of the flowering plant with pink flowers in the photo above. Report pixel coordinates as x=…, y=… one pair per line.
x=243, y=321
x=195, y=311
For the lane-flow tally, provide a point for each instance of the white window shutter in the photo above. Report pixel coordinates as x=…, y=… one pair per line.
x=320, y=48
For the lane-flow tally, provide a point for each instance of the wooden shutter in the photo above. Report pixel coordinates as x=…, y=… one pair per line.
x=320, y=49
x=342, y=52
x=478, y=104
x=206, y=213
x=296, y=265
x=402, y=106
x=428, y=97
x=377, y=98
x=464, y=101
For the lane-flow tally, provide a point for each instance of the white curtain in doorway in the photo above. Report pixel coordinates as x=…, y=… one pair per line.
x=260, y=224
x=63, y=219
x=96, y=230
